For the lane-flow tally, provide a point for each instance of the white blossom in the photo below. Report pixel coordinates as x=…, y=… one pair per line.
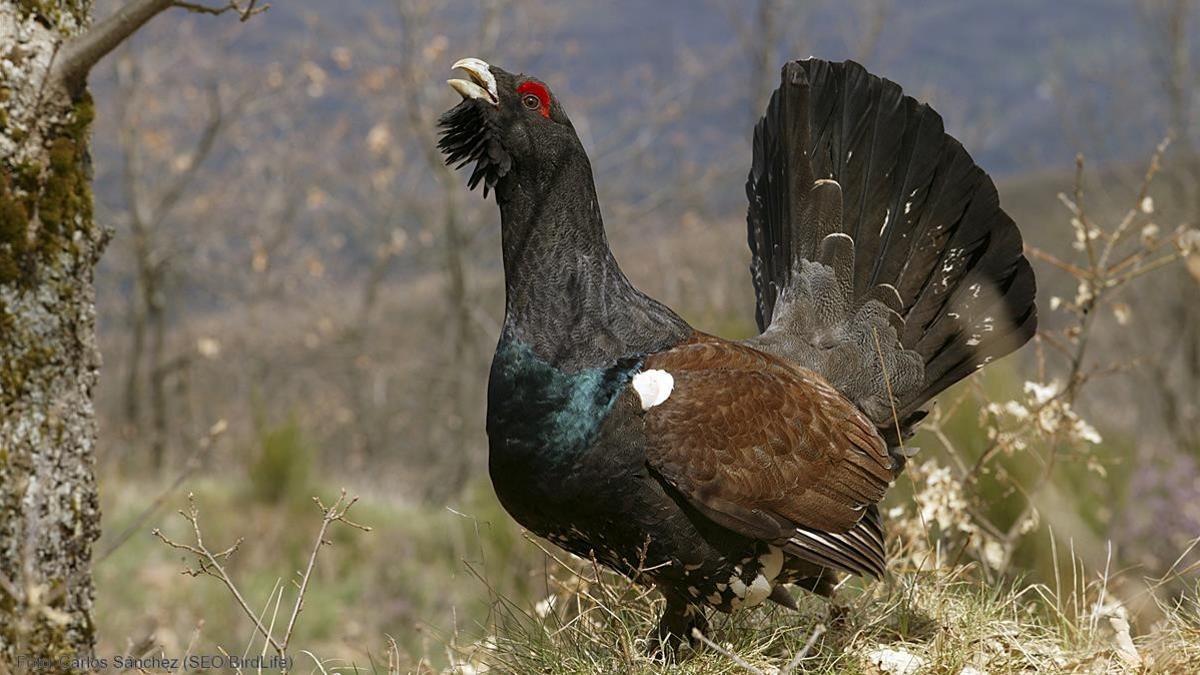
x=1189, y=242
x=1149, y=234
x=1042, y=392
x=1122, y=313
x=1086, y=432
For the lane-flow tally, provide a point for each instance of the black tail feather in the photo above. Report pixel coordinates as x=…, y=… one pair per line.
x=924, y=218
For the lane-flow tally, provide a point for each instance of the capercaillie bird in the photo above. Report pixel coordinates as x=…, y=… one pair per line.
x=718, y=471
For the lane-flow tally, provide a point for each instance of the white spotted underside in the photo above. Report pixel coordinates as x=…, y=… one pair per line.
x=759, y=588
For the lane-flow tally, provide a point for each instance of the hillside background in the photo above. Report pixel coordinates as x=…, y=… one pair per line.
x=299, y=298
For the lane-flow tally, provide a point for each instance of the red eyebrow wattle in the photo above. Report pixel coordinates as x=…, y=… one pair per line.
x=539, y=90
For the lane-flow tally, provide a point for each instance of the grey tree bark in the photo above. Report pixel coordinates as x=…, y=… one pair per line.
x=49, y=246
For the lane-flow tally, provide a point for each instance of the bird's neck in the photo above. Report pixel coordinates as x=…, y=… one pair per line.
x=552, y=231
x=565, y=295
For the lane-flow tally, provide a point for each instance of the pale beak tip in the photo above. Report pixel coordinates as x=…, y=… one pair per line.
x=469, y=90
x=483, y=82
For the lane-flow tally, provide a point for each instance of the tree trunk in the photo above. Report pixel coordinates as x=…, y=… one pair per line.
x=158, y=376
x=49, y=245
x=133, y=372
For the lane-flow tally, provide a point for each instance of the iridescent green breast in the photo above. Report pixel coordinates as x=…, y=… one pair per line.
x=538, y=413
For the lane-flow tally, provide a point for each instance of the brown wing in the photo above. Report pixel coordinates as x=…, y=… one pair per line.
x=770, y=450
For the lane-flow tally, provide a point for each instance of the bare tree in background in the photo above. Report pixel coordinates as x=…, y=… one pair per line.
x=1168, y=44
x=155, y=246
x=49, y=246
x=423, y=51
x=374, y=210
x=1169, y=28
x=868, y=19
x=759, y=33
x=205, y=191
x=773, y=32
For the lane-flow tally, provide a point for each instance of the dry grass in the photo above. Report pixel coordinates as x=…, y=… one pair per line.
x=942, y=621
x=433, y=590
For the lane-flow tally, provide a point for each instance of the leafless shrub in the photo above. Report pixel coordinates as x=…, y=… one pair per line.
x=214, y=564
x=947, y=518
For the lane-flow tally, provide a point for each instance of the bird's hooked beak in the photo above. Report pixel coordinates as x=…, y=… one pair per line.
x=482, y=85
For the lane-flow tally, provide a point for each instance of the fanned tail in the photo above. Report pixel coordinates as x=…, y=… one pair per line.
x=881, y=256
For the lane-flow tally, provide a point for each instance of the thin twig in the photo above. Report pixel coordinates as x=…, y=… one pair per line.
x=1143, y=191
x=149, y=511
x=333, y=514
x=1039, y=254
x=1084, y=222
x=244, y=14
x=210, y=564
x=818, y=631
x=725, y=652
x=192, y=642
x=82, y=52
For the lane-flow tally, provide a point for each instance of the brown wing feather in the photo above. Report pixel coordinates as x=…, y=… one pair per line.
x=767, y=448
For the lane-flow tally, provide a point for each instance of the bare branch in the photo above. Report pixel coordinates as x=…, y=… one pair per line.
x=332, y=514
x=79, y=54
x=210, y=563
x=243, y=13
x=204, y=145
x=742, y=663
x=192, y=465
x=818, y=631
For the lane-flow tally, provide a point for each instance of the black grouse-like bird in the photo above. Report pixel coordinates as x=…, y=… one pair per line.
x=718, y=471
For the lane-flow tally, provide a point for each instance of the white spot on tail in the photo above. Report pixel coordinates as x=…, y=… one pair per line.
x=653, y=387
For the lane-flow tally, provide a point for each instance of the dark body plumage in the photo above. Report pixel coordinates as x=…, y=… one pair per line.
x=717, y=471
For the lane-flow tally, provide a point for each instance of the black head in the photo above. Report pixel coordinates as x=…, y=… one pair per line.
x=505, y=123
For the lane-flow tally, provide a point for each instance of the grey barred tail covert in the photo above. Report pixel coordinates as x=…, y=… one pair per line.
x=721, y=472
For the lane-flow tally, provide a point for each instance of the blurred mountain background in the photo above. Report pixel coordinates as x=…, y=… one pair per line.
x=299, y=296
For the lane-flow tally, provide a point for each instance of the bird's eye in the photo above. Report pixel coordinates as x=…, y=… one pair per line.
x=535, y=96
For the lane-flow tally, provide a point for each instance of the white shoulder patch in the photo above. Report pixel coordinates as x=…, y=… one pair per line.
x=653, y=387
